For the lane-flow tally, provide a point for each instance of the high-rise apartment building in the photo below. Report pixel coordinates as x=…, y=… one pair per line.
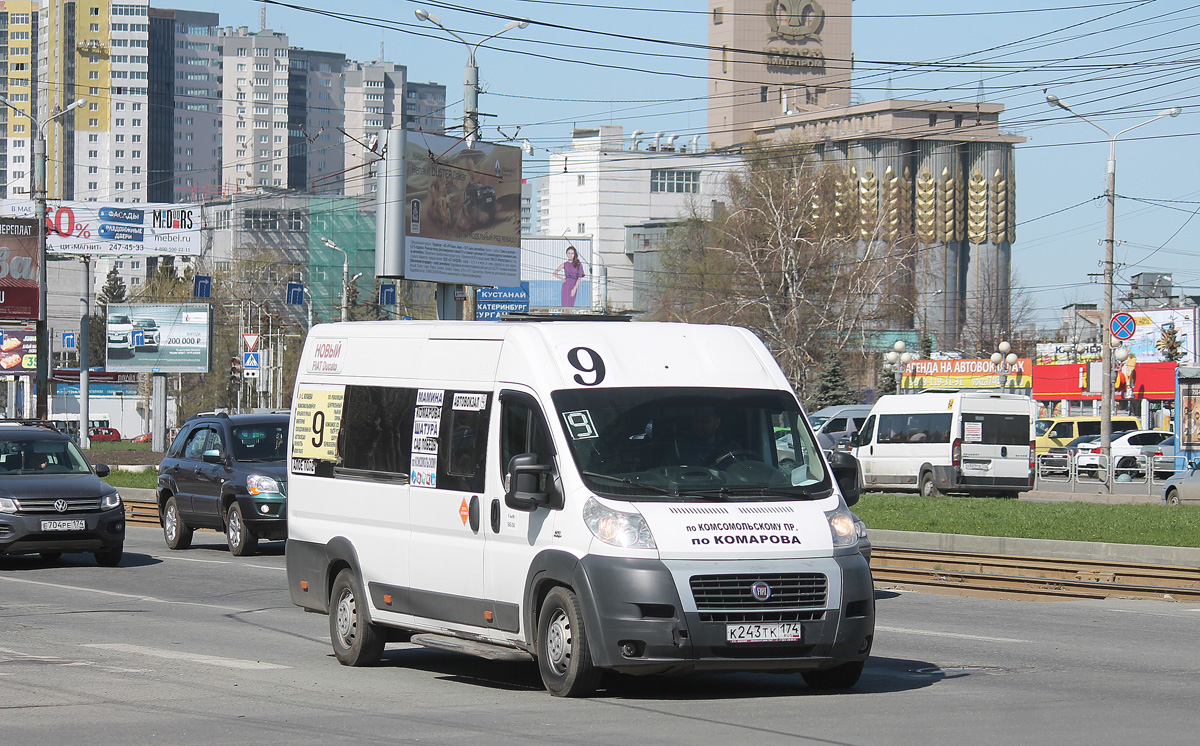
x=373, y=93
x=19, y=45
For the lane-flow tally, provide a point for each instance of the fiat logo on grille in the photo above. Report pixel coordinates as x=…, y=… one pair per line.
x=761, y=591
x=60, y=505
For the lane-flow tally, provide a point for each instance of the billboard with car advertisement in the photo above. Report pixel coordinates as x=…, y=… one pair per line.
x=18, y=268
x=115, y=229
x=18, y=352
x=1155, y=326
x=165, y=338
x=463, y=211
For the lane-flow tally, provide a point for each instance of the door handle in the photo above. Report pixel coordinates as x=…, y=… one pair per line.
x=473, y=513
x=495, y=516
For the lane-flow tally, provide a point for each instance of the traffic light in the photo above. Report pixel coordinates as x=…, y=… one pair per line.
x=235, y=370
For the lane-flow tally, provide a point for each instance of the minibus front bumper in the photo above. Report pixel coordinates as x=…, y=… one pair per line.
x=643, y=618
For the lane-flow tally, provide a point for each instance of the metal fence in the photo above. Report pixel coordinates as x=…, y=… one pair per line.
x=1127, y=474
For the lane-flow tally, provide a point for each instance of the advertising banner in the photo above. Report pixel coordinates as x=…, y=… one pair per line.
x=1133, y=380
x=1056, y=353
x=1158, y=326
x=559, y=271
x=18, y=352
x=115, y=229
x=463, y=216
x=159, y=338
x=18, y=268
x=966, y=374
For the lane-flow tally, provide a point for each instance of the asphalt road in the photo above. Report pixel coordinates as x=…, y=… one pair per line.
x=199, y=647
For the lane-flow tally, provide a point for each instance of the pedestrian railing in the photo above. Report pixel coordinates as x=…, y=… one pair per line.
x=1133, y=474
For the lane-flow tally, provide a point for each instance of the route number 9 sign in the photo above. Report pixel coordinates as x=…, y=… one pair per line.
x=316, y=425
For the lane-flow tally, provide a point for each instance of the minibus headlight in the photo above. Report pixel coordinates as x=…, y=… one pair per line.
x=844, y=526
x=260, y=483
x=616, y=527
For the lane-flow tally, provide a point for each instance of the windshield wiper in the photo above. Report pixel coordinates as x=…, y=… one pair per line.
x=633, y=482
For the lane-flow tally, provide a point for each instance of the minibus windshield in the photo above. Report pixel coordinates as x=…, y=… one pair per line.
x=691, y=443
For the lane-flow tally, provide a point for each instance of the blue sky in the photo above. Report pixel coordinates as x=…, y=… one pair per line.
x=1119, y=63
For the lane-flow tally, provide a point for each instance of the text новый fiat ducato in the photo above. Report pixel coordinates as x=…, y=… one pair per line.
x=594, y=495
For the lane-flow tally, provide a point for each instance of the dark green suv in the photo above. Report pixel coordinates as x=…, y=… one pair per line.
x=226, y=472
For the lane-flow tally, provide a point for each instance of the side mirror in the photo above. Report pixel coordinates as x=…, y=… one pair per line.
x=528, y=484
x=213, y=457
x=101, y=469
x=845, y=471
x=853, y=439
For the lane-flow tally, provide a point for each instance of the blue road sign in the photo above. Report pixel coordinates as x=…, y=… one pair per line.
x=295, y=294
x=1123, y=326
x=139, y=338
x=387, y=295
x=68, y=340
x=250, y=360
x=202, y=286
x=495, y=303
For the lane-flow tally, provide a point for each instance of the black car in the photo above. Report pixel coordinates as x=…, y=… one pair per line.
x=226, y=472
x=52, y=499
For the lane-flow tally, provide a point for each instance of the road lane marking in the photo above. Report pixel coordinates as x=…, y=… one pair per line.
x=118, y=594
x=956, y=635
x=166, y=557
x=211, y=660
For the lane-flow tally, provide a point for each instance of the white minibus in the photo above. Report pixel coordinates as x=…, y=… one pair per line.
x=590, y=494
x=972, y=442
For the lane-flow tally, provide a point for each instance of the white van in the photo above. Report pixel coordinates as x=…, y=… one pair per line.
x=964, y=441
x=592, y=494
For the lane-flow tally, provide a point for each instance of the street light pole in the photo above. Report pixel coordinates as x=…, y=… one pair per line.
x=345, y=277
x=470, y=73
x=39, y=212
x=1106, y=352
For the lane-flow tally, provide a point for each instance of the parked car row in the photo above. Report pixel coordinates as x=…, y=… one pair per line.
x=1129, y=452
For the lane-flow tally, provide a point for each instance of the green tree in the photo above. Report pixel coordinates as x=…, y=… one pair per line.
x=113, y=291
x=832, y=385
x=887, y=381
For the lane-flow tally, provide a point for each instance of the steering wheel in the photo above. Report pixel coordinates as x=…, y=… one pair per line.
x=735, y=456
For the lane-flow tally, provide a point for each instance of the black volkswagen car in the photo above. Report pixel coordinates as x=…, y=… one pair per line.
x=52, y=500
x=226, y=472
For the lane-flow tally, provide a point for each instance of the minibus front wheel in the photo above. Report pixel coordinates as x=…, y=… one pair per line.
x=564, y=657
x=356, y=642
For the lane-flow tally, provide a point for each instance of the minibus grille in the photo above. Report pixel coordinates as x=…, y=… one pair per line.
x=786, y=591
x=763, y=617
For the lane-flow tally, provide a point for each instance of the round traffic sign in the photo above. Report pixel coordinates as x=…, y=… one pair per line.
x=1122, y=326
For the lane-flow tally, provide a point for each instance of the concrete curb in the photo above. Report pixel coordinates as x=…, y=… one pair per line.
x=1075, y=550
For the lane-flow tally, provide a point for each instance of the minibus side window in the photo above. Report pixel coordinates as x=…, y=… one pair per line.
x=522, y=430
x=375, y=437
x=868, y=429
x=914, y=428
x=462, y=443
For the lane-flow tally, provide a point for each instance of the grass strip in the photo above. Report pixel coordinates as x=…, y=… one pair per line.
x=146, y=480
x=1159, y=525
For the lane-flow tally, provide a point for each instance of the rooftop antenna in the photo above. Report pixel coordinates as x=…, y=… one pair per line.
x=262, y=18
x=381, y=57
x=980, y=96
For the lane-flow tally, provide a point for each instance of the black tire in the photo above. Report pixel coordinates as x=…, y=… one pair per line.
x=51, y=556
x=564, y=656
x=928, y=486
x=242, y=541
x=1173, y=497
x=356, y=642
x=110, y=556
x=175, y=531
x=838, y=677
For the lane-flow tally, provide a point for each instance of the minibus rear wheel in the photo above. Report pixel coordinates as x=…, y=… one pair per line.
x=356, y=642
x=564, y=657
x=928, y=486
